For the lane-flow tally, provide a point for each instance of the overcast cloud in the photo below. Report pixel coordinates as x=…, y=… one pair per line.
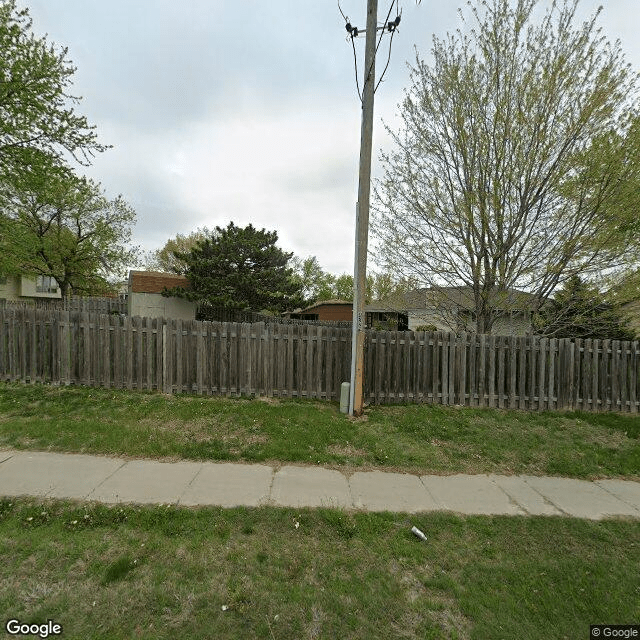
x=245, y=111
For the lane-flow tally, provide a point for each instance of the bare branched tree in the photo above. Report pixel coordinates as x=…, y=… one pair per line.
x=518, y=162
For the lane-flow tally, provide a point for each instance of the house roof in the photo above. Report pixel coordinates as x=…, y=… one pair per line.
x=451, y=297
x=327, y=302
x=155, y=281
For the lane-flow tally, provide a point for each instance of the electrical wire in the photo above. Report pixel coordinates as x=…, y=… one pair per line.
x=353, y=33
x=355, y=57
x=355, y=62
x=386, y=21
x=393, y=33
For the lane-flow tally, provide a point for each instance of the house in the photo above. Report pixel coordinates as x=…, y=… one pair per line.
x=28, y=288
x=328, y=310
x=145, y=296
x=450, y=309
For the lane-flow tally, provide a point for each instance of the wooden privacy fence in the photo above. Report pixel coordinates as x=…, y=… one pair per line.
x=308, y=361
x=89, y=304
x=502, y=371
x=174, y=355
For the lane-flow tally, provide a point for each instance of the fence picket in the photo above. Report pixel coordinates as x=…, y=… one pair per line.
x=623, y=376
x=542, y=363
x=633, y=378
x=513, y=350
x=553, y=345
x=492, y=371
x=482, y=372
x=615, y=363
x=522, y=372
x=462, y=369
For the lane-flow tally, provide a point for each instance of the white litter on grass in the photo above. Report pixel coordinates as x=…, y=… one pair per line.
x=418, y=533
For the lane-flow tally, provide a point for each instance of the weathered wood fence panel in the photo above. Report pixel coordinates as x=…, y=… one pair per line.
x=499, y=371
x=309, y=361
x=89, y=304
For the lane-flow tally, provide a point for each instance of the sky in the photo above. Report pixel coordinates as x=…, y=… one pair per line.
x=247, y=111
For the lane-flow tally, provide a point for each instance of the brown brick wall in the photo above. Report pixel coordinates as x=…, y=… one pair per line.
x=331, y=312
x=155, y=281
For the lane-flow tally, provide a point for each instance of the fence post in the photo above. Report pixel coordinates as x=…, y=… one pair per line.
x=165, y=368
x=492, y=370
x=500, y=387
x=633, y=377
x=64, y=347
x=552, y=372
x=513, y=346
x=541, y=377
x=461, y=363
x=572, y=368
x=615, y=372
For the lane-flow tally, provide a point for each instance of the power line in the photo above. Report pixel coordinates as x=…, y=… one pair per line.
x=388, y=26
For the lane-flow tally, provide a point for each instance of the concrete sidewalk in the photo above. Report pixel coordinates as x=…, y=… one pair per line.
x=114, y=480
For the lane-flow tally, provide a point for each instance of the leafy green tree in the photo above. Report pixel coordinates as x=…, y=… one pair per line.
x=39, y=131
x=379, y=286
x=64, y=226
x=580, y=311
x=36, y=108
x=318, y=285
x=383, y=286
x=241, y=269
x=315, y=284
x=343, y=287
x=518, y=161
x=165, y=259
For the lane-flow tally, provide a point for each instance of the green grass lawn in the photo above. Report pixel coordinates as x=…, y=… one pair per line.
x=419, y=438
x=166, y=572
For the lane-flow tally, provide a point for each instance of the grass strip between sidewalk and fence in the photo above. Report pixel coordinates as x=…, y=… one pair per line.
x=412, y=438
x=167, y=572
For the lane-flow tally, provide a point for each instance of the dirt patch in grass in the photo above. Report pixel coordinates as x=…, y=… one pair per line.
x=584, y=432
x=35, y=591
x=348, y=451
x=268, y=400
x=221, y=427
x=452, y=622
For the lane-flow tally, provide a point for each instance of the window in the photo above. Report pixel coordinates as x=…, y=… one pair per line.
x=46, y=284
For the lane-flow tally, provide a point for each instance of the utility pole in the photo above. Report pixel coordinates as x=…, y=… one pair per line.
x=356, y=396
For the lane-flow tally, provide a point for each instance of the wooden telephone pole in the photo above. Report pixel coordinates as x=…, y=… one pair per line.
x=356, y=397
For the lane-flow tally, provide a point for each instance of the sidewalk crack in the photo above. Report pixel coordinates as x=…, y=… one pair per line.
x=437, y=502
x=124, y=462
x=270, y=501
x=547, y=500
x=512, y=501
x=617, y=497
x=198, y=472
